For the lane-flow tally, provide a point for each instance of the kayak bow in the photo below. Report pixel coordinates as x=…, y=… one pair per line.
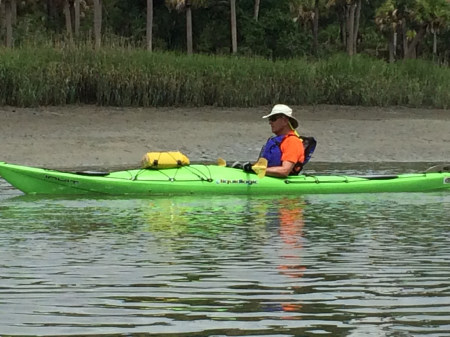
x=211, y=179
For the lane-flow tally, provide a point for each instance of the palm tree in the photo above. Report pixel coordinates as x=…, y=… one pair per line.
x=9, y=22
x=149, y=25
x=356, y=25
x=418, y=18
x=181, y=5
x=233, y=27
x=71, y=9
x=307, y=12
x=256, y=9
x=189, y=43
x=353, y=15
x=351, y=10
x=76, y=7
x=51, y=13
x=186, y=5
x=68, y=15
x=435, y=14
x=14, y=12
x=98, y=23
x=388, y=21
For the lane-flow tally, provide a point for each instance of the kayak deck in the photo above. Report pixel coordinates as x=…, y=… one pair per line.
x=211, y=179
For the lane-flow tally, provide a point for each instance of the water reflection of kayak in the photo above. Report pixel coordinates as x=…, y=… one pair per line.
x=212, y=179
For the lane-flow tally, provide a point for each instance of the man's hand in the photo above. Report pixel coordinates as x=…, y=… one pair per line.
x=247, y=167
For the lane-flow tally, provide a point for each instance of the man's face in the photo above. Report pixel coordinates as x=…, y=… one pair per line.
x=278, y=123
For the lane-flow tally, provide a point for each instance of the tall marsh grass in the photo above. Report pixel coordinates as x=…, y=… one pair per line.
x=121, y=77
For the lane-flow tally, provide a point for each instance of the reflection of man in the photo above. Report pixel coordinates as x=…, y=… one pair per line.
x=291, y=231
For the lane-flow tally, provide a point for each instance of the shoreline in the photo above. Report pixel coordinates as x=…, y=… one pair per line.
x=92, y=136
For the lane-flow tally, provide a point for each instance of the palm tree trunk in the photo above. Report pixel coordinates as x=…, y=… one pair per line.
x=51, y=14
x=343, y=24
x=392, y=47
x=98, y=23
x=233, y=27
x=350, y=28
x=8, y=23
x=68, y=19
x=404, y=39
x=76, y=7
x=315, y=27
x=149, y=25
x=189, y=28
x=2, y=15
x=411, y=50
x=13, y=12
x=256, y=9
x=356, y=28
x=434, y=43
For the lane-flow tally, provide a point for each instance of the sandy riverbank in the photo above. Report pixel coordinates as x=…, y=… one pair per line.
x=90, y=136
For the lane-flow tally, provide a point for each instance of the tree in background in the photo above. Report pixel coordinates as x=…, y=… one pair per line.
x=433, y=16
x=9, y=8
x=350, y=14
x=233, y=26
x=149, y=25
x=414, y=20
x=186, y=5
x=97, y=24
x=256, y=9
x=307, y=12
x=388, y=21
x=77, y=16
x=69, y=15
x=270, y=28
x=72, y=16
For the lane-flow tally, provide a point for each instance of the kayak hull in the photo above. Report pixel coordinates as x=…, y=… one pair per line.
x=210, y=179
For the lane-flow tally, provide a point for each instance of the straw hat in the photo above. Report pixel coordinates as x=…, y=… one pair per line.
x=284, y=110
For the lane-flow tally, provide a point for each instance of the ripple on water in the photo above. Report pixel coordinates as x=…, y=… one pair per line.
x=353, y=265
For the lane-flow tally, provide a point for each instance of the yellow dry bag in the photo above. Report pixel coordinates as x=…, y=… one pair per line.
x=162, y=160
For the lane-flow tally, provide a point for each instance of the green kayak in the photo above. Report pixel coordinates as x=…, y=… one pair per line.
x=212, y=179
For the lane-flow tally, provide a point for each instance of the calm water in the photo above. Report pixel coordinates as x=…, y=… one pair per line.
x=337, y=265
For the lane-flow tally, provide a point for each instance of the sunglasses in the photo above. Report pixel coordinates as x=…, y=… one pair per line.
x=274, y=118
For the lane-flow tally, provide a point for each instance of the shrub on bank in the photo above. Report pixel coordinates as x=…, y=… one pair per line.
x=119, y=77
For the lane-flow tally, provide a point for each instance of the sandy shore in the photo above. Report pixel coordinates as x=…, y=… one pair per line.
x=90, y=136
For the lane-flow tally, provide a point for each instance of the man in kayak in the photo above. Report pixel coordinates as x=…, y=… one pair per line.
x=284, y=151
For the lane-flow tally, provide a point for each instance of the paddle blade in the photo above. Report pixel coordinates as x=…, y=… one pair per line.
x=221, y=162
x=260, y=167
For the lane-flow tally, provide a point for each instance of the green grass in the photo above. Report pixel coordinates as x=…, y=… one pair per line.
x=123, y=77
